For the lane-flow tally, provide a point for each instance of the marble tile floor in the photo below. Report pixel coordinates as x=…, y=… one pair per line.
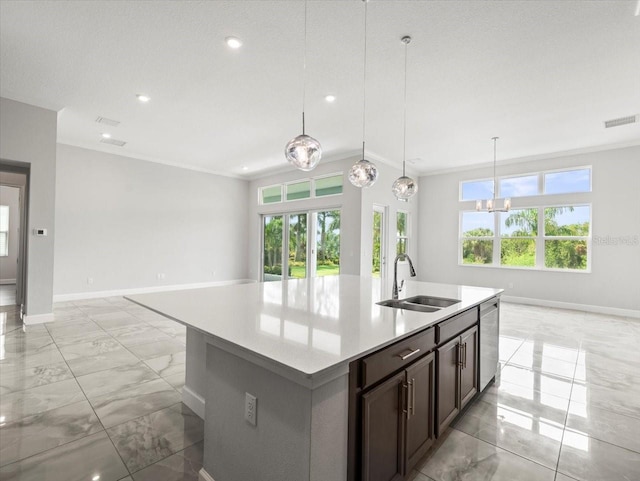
x=565, y=405
x=98, y=393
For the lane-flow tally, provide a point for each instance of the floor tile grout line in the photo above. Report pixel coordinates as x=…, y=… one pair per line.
x=503, y=449
x=566, y=418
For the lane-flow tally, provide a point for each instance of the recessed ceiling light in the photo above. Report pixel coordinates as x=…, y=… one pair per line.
x=330, y=98
x=106, y=135
x=143, y=98
x=96, y=477
x=233, y=42
x=245, y=168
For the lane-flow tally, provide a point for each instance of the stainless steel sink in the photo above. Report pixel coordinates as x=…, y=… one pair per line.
x=419, y=303
x=440, y=302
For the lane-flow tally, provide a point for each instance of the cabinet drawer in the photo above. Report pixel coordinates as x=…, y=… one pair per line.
x=397, y=356
x=454, y=326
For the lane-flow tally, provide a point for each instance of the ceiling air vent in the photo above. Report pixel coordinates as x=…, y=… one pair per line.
x=119, y=143
x=631, y=119
x=106, y=121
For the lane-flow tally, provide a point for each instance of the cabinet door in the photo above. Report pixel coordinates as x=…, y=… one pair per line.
x=383, y=430
x=420, y=409
x=448, y=389
x=469, y=361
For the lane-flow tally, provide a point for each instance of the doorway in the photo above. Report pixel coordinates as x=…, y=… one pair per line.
x=13, y=238
x=300, y=245
x=378, y=257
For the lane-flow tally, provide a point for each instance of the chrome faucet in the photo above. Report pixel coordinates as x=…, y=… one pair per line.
x=412, y=272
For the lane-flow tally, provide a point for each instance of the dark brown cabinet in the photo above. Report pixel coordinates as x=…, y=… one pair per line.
x=457, y=376
x=398, y=422
x=420, y=378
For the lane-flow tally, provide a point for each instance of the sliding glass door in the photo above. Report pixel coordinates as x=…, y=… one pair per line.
x=299, y=245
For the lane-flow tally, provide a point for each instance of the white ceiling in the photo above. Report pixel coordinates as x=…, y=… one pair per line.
x=542, y=75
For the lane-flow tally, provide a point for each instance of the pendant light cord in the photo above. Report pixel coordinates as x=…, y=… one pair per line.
x=406, y=41
x=364, y=79
x=304, y=66
x=494, y=167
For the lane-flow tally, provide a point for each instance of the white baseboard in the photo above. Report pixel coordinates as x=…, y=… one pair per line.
x=204, y=476
x=7, y=281
x=143, y=290
x=37, y=319
x=614, y=311
x=193, y=400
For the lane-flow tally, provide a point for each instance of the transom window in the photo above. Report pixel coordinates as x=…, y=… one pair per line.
x=301, y=189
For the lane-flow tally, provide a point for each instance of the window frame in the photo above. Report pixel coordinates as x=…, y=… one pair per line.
x=5, y=233
x=539, y=238
x=312, y=189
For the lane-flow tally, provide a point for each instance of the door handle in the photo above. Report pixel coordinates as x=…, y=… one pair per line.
x=459, y=355
x=405, y=401
x=408, y=355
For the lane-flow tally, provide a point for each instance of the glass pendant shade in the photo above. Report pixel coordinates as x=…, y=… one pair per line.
x=404, y=188
x=303, y=152
x=363, y=173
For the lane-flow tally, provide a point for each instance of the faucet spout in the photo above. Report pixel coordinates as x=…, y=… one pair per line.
x=412, y=272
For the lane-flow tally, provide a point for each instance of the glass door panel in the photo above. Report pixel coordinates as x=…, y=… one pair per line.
x=298, y=246
x=376, y=257
x=272, y=230
x=328, y=243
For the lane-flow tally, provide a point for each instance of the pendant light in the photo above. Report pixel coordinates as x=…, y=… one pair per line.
x=303, y=151
x=364, y=173
x=404, y=187
x=491, y=203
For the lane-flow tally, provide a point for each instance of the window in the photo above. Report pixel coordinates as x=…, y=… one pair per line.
x=477, y=238
x=312, y=241
x=402, y=232
x=567, y=181
x=518, y=186
x=566, y=237
x=4, y=230
x=518, y=233
x=271, y=195
x=476, y=190
x=539, y=237
x=299, y=190
x=537, y=183
x=331, y=185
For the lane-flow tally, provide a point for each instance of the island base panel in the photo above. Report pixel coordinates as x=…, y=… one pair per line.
x=301, y=433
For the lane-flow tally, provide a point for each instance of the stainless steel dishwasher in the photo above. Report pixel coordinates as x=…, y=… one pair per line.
x=489, y=341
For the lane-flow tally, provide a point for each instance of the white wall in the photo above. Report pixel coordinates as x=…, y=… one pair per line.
x=122, y=221
x=10, y=196
x=356, y=221
x=28, y=137
x=613, y=280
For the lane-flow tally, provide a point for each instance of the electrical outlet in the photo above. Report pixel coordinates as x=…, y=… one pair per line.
x=510, y=285
x=89, y=280
x=160, y=275
x=250, y=409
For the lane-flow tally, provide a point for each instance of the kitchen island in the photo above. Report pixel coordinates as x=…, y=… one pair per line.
x=295, y=346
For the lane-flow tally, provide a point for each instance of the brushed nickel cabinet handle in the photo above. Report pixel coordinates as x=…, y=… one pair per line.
x=464, y=365
x=408, y=355
x=413, y=396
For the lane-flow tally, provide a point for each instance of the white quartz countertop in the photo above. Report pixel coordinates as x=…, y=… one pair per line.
x=310, y=326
